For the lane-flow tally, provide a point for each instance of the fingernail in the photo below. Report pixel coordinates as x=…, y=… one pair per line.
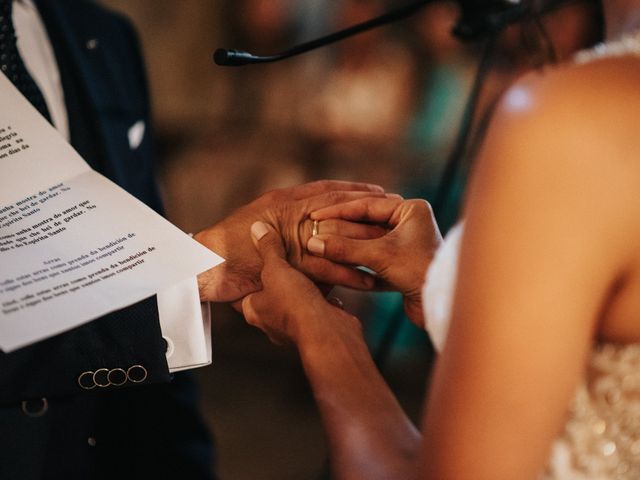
x=259, y=230
x=315, y=245
x=395, y=195
x=376, y=188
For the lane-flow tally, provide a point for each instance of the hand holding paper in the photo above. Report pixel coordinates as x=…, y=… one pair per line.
x=73, y=245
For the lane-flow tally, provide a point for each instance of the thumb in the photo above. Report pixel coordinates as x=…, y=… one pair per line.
x=267, y=241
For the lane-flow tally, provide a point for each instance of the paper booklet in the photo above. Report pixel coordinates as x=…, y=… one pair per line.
x=73, y=245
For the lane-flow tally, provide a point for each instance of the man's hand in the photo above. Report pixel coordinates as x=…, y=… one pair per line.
x=400, y=257
x=289, y=308
x=288, y=211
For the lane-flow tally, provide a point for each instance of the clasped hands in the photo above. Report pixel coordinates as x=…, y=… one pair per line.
x=311, y=236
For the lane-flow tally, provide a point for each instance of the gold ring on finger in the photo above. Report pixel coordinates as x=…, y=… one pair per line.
x=316, y=228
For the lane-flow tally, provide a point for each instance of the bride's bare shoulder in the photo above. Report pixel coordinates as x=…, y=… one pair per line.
x=574, y=115
x=563, y=154
x=566, y=134
x=602, y=94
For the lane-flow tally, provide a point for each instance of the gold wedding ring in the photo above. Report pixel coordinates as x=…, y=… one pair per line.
x=316, y=228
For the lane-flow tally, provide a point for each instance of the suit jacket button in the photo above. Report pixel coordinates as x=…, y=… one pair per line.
x=35, y=408
x=137, y=374
x=100, y=377
x=85, y=380
x=117, y=377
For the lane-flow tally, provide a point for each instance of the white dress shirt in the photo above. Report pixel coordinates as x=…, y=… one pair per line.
x=184, y=321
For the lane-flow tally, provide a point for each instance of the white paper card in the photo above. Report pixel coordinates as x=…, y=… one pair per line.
x=73, y=245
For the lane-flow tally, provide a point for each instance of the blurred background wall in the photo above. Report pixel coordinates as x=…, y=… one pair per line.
x=382, y=107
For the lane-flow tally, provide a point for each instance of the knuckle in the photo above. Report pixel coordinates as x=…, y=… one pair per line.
x=331, y=227
x=249, y=311
x=321, y=183
x=426, y=204
x=277, y=194
x=269, y=195
x=421, y=205
x=367, y=209
x=336, y=248
x=332, y=196
x=249, y=316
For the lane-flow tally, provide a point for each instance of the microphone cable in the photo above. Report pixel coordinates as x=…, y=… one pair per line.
x=461, y=144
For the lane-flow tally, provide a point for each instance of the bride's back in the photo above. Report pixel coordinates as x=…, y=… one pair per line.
x=613, y=72
x=549, y=271
x=593, y=106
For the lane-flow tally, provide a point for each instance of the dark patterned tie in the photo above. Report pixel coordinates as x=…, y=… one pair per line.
x=11, y=63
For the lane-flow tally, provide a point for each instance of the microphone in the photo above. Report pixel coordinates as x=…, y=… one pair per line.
x=478, y=19
x=235, y=58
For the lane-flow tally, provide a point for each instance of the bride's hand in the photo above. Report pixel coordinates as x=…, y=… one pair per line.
x=289, y=309
x=400, y=257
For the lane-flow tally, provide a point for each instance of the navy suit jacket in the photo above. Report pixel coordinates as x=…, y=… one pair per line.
x=117, y=432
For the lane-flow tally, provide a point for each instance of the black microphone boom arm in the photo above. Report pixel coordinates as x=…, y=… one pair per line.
x=234, y=58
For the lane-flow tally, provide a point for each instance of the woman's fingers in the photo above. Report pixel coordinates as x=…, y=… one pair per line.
x=367, y=253
x=325, y=271
x=365, y=209
x=338, y=197
x=323, y=186
x=344, y=228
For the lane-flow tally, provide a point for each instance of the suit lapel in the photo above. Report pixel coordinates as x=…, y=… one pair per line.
x=108, y=92
x=80, y=44
x=84, y=80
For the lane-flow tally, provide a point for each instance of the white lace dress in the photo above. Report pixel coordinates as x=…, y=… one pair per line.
x=601, y=437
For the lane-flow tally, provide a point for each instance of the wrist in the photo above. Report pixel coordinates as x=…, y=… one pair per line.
x=330, y=327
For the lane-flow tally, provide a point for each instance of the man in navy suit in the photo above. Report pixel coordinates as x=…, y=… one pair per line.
x=56, y=422
x=51, y=426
